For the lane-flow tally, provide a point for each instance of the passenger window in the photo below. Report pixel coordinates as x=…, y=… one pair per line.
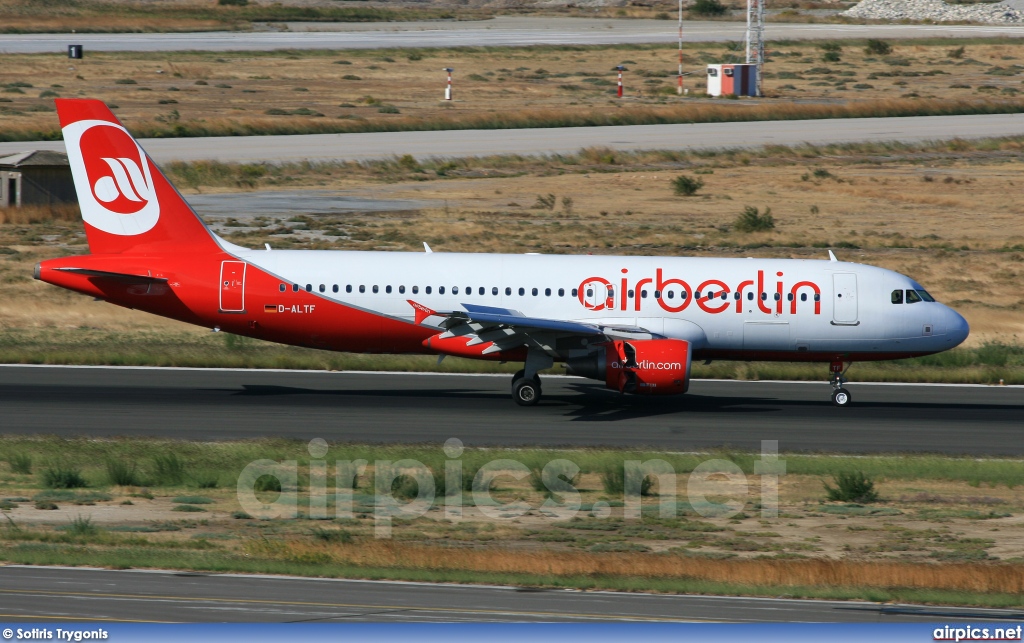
x=897, y=297
x=295, y=287
x=803, y=296
x=440, y=290
x=736, y=295
x=817, y=297
x=534, y=291
x=494, y=291
x=590, y=292
x=697, y=294
x=309, y=287
x=387, y=289
x=925, y=296
x=401, y=290
x=415, y=290
x=750, y=296
x=428, y=289
x=913, y=297
x=323, y=288
x=725, y=295
x=376, y=289
x=575, y=292
x=547, y=292
x=508, y=291
x=283, y=288
x=334, y=288
x=764, y=296
x=630, y=294
x=348, y=288
x=522, y=291
x=657, y=294
x=671, y=295
x=455, y=290
x=561, y=292
x=643, y=294
x=481, y=291
x=777, y=297
x=789, y=297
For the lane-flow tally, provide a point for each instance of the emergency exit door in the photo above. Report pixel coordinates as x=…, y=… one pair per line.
x=232, y=287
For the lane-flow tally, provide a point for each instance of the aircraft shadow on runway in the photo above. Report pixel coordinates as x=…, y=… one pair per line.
x=593, y=403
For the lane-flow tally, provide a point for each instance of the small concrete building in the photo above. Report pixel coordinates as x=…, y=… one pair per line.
x=38, y=177
x=732, y=80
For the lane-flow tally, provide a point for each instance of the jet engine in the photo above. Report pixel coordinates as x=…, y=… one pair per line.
x=644, y=367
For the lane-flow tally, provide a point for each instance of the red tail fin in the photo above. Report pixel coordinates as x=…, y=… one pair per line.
x=127, y=203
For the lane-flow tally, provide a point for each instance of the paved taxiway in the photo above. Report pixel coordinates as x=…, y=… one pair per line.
x=458, y=143
x=63, y=594
x=422, y=408
x=500, y=31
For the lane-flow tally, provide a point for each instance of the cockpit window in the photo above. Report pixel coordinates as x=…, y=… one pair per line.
x=913, y=297
x=897, y=296
x=925, y=296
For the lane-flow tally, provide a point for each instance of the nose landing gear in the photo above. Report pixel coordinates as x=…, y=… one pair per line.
x=837, y=377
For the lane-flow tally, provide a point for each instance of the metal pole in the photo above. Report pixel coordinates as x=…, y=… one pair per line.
x=749, y=12
x=620, y=68
x=680, y=88
x=448, y=88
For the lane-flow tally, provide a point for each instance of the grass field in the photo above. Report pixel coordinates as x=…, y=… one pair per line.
x=945, y=530
x=287, y=92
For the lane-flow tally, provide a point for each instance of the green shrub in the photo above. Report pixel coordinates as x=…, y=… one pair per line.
x=241, y=515
x=267, y=483
x=20, y=463
x=876, y=47
x=206, y=479
x=751, y=221
x=613, y=480
x=46, y=505
x=351, y=77
x=708, y=8
x=168, y=469
x=193, y=500
x=82, y=526
x=125, y=81
x=62, y=476
x=188, y=509
x=684, y=185
x=405, y=487
x=233, y=3
x=388, y=109
x=851, y=487
x=957, y=53
x=332, y=535
x=121, y=473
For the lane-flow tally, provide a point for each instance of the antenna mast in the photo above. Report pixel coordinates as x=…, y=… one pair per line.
x=755, y=37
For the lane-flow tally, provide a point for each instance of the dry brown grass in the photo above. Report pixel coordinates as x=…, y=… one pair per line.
x=494, y=87
x=39, y=214
x=987, y=578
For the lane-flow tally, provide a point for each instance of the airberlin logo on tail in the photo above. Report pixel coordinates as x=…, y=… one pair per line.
x=112, y=177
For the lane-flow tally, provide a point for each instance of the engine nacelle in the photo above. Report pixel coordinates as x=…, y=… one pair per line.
x=644, y=367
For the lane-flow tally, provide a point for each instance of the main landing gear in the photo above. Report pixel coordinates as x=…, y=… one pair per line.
x=526, y=383
x=840, y=396
x=526, y=391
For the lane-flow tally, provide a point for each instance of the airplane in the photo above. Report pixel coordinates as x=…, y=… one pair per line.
x=635, y=323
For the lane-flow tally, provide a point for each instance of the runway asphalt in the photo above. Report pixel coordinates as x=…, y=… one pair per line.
x=422, y=408
x=499, y=31
x=67, y=594
x=460, y=143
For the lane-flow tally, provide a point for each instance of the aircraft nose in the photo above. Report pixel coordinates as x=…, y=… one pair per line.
x=957, y=328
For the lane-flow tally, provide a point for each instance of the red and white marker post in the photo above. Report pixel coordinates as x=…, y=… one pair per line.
x=621, y=69
x=448, y=87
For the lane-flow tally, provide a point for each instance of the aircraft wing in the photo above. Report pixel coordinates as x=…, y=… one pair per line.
x=506, y=329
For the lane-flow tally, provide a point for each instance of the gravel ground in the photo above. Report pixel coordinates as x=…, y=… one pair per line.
x=1010, y=11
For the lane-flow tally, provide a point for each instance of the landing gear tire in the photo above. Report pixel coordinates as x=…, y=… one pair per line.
x=841, y=397
x=526, y=392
